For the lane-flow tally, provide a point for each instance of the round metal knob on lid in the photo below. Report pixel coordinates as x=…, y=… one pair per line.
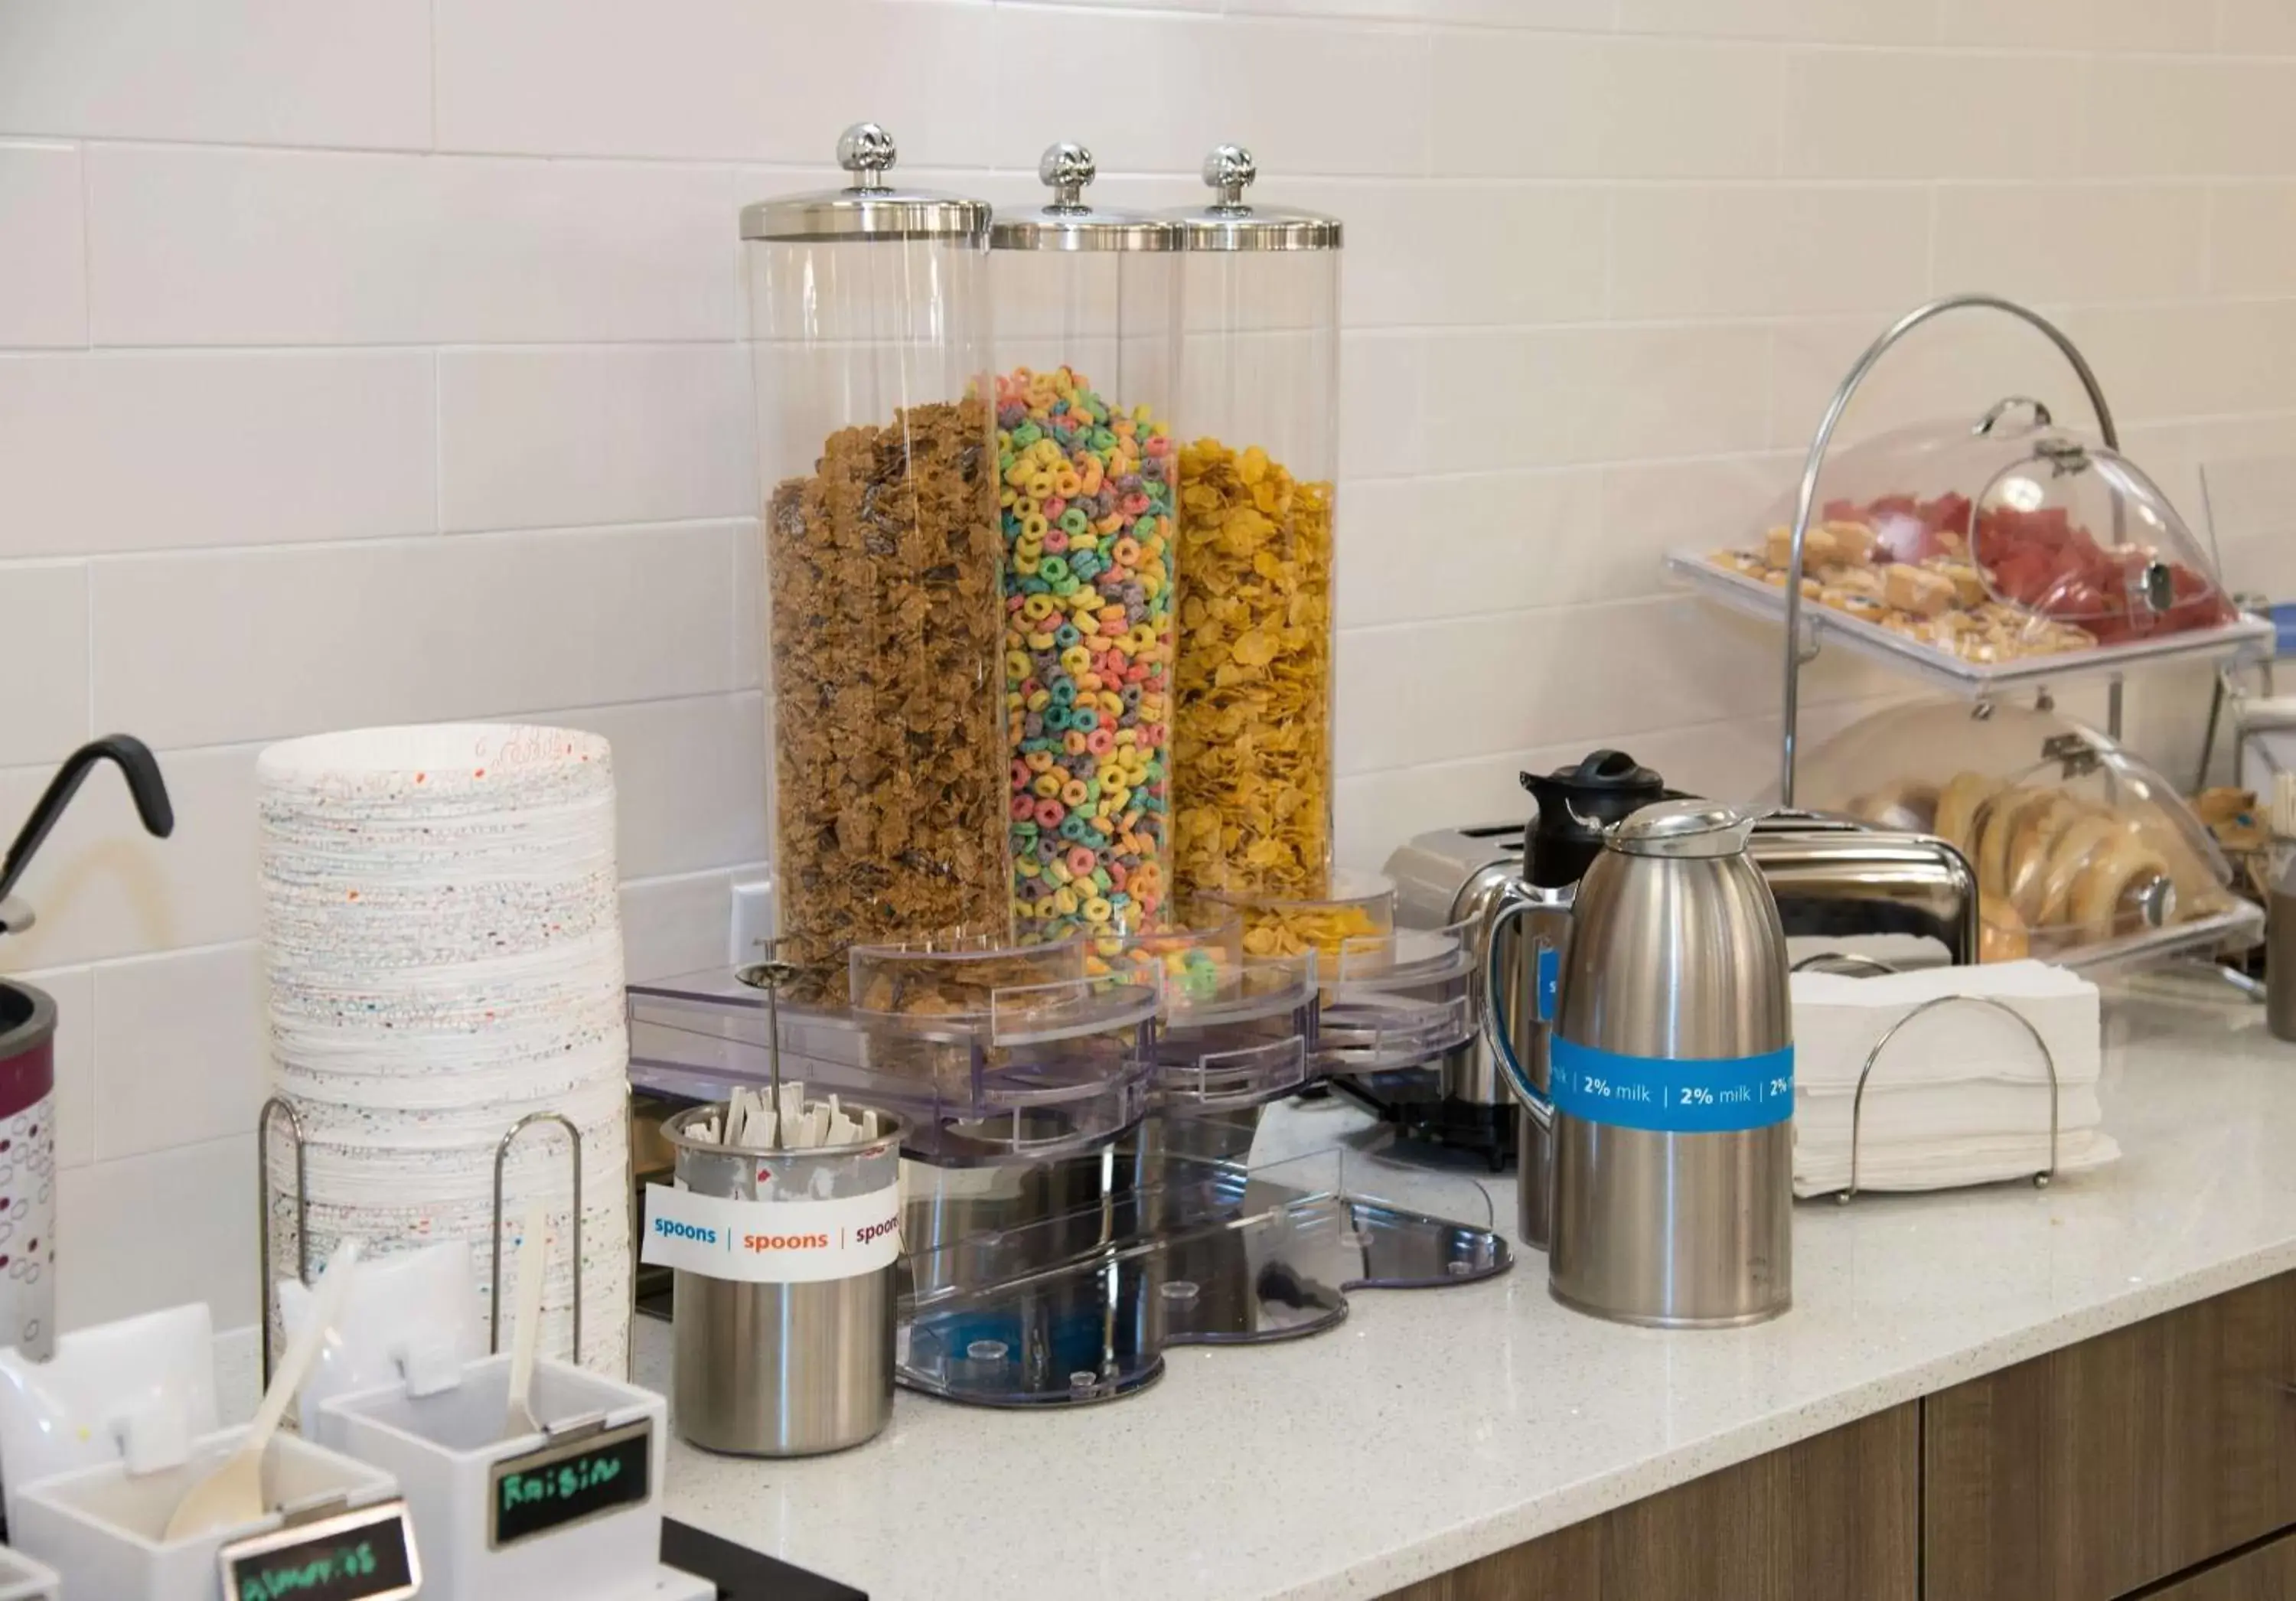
x=1069, y=222
x=1684, y=828
x=866, y=151
x=870, y=208
x=1231, y=170
x=1065, y=170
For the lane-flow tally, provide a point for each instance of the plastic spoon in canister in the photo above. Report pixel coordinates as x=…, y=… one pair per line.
x=234, y=1493
x=533, y=1254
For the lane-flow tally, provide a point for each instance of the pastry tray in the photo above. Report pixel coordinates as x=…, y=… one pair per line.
x=2251, y=637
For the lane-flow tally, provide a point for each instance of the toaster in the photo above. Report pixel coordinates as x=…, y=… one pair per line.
x=1834, y=878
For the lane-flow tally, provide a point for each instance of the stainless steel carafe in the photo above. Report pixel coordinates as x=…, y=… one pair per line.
x=1669, y=1098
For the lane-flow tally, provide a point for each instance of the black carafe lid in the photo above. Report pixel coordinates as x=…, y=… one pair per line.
x=1575, y=806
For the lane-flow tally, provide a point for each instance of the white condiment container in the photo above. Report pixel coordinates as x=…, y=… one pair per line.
x=489, y=1507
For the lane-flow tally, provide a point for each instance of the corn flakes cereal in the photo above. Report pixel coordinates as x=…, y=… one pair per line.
x=1252, y=759
x=1285, y=931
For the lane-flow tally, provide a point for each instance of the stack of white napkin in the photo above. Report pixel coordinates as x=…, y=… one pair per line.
x=1961, y=1096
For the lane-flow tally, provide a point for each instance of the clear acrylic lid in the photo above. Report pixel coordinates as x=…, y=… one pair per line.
x=2006, y=539
x=2078, y=844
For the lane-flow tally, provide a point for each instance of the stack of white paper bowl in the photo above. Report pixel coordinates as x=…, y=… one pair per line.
x=445, y=956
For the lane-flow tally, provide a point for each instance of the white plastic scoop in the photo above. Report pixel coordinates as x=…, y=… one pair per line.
x=234, y=1493
x=526, y=1335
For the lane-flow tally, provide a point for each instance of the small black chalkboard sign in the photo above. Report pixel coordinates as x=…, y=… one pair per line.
x=569, y=1482
x=366, y=1554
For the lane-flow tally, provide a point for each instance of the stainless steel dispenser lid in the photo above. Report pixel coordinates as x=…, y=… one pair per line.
x=1068, y=223
x=1230, y=223
x=1684, y=828
x=871, y=209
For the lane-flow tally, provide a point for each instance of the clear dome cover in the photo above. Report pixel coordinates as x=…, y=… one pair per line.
x=2006, y=544
x=2081, y=851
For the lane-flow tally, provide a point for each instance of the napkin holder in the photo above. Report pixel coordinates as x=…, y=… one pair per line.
x=2040, y=1022
x=1873, y=1058
x=572, y=1512
x=103, y=1529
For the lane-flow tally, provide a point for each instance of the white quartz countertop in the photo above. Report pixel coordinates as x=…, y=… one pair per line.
x=1433, y=1427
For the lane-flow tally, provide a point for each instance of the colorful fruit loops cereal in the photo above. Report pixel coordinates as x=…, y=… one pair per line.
x=1251, y=750
x=1087, y=494
x=1189, y=969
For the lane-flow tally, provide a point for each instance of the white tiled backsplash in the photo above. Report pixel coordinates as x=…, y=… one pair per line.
x=370, y=360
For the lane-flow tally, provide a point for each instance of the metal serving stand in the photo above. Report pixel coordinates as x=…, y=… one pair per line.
x=1804, y=632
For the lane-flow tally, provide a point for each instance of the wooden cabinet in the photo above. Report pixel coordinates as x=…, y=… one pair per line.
x=2156, y=1463
x=2266, y=1573
x=2116, y=1463
x=1831, y=1518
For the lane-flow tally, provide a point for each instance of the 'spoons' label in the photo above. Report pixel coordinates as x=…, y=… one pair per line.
x=1667, y=1095
x=772, y=1242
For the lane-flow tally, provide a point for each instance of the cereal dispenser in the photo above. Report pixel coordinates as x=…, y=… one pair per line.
x=883, y=593
x=1258, y=394
x=1087, y=308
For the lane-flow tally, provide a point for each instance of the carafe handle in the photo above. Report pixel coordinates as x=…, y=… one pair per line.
x=1516, y=899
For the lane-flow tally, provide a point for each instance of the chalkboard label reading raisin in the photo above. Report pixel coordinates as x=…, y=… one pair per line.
x=367, y=1554
x=563, y=1484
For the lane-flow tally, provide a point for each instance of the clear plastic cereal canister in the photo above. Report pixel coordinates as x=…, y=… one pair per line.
x=883, y=588
x=1258, y=392
x=1088, y=466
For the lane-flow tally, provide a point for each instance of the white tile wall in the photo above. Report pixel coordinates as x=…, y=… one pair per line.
x=43, y=246
x=157, y=1230
x=2250, y=226
x=375, y=361
x=242, y=247
x=189, y=648
x=2082, y=242
x=562, y=436
x=1914, y=114
x=726, y=79
x=106, y=452
x=1684, y=250
x=179, y=1049
x=349, y=73
x=43, y=660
